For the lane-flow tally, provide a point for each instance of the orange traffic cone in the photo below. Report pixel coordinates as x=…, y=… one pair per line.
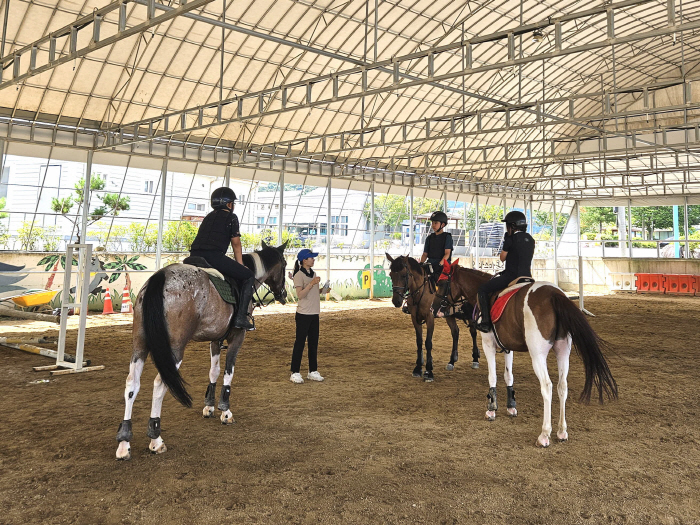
x=107, y=309
x=126, y=302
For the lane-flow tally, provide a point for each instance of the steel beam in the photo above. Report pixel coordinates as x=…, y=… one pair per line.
x=92, y=22
x=247, y=106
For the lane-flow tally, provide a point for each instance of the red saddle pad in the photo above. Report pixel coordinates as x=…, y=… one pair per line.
x=500, y=305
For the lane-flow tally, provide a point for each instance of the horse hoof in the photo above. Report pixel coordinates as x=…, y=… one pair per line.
x=490, y=415
x=542, y=442
x=417, y=374
x=227, y=418
x=475, y=365
x=123, y=451
x=157, y=446
x=512, y=412
x=428, y=378
x=563, y=437
x=450, y=367
x=208, y=411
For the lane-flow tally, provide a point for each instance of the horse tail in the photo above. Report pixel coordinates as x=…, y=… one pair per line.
x=589, y=346
x=158, y=338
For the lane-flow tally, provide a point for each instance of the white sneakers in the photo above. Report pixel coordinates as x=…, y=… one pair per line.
x=312, y=376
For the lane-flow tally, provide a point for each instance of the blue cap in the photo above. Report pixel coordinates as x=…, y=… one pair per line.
x=305, y=254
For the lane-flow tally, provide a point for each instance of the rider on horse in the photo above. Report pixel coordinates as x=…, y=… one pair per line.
x=438, y=245
x=517, y=252
x=219, y=229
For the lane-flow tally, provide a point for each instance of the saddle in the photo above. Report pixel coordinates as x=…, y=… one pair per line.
x=226, y=286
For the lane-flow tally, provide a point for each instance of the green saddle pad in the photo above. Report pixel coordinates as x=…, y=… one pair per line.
x=224, y=289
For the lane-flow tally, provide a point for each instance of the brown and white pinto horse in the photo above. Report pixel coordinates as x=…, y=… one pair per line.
x=410, y=283
x=537, y=318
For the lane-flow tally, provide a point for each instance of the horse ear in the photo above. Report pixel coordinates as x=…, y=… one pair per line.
x=456, y=263
x=283, y=246
x=264, y=244
x=391, y=259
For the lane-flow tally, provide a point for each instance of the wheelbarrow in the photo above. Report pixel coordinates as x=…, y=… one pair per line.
x=33, y=300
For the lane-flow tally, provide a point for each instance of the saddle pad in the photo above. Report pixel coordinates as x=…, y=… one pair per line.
x=223, y=288
x=500, y=305
x=213, y=272
x=511, y=288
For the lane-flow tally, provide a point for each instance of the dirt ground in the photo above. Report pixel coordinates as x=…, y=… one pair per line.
x=369, y=445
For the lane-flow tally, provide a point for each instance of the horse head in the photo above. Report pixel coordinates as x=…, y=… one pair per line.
x=275, y=267
x=399, y=274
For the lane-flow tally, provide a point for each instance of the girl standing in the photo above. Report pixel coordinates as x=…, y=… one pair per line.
x=306, y=284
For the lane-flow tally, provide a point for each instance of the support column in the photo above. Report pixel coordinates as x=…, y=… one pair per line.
x=86, y=199
x=227, y=177
x=161, y=212
x=444, y=200
x=411, y=225
x=328, y=231
x=280, y=215
x=532, y=220
x=554, y=237
x=629, y=228
x=476, y=232
x=685, y=226
x=578, y=253
x=371, y=243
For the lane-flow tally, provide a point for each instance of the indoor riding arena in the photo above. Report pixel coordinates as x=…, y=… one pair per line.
x=348, y=138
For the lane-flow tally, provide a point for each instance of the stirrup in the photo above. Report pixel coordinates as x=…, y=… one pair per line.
x=249, y=326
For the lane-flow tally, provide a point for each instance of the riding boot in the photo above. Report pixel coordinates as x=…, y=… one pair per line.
x=241, y=320
x=485, y=307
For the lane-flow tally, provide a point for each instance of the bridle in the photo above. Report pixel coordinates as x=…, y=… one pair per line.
x=406, y=290
x=261, y=302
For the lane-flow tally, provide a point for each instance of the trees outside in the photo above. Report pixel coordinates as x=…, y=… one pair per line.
x=110, y=204
x=392, y=210
x=4, y=234
x=595, y=220
x=545, y=220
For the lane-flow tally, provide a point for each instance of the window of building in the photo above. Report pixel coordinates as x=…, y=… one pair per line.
x=273, y=220
x=195, y=207
x=339, y=225
x=148, y=186
x=260, y=222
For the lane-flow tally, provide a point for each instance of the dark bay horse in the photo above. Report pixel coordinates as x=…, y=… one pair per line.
x=538, y=318
x=176, y=305
x=410, y=282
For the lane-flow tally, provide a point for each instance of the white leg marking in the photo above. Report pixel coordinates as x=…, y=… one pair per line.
x=215, y=369
x=489, y=344
x=124, y=450
x=227, y=416
x=156, y=446
x=539, y=348
x=508, y=378
x=133, y=385
x=159, y=390
x=562, y=350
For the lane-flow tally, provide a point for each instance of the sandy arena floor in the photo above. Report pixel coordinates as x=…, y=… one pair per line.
x=369, y=445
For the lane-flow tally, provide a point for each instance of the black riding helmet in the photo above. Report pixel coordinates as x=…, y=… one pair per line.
x=221, y=197
x=517, y=219
x=439, y=216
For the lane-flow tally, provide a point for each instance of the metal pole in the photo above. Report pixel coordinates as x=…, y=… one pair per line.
x=280, y=218
x=577, y=207
x=328, y=232
x=629, y=227
x=532, y=220
x=376, y=26
x=444, y=200
x=86, y=199
x=685, y=226
x=371, y=244
x=4, y=29
x=554, y=237
x=476, y=232
x=411, y=225
x=161, y=212
x=227, y=177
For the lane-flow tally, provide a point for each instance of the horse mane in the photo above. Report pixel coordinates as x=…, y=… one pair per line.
x=269, y=256
x=476, y=273
x=413, y=265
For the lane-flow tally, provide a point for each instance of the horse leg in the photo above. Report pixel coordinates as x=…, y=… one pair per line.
x=508, y=377
x=489, y=344
x=562, y=349
x=210, y=396
x=475, y=348
x=454, y=329
x=234, y=344
x=430, y=327
x=418, y=370
x=539, y=353
x=156, y=446
x=133, y=384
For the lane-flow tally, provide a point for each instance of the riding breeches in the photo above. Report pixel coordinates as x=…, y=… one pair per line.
x=225, y=265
